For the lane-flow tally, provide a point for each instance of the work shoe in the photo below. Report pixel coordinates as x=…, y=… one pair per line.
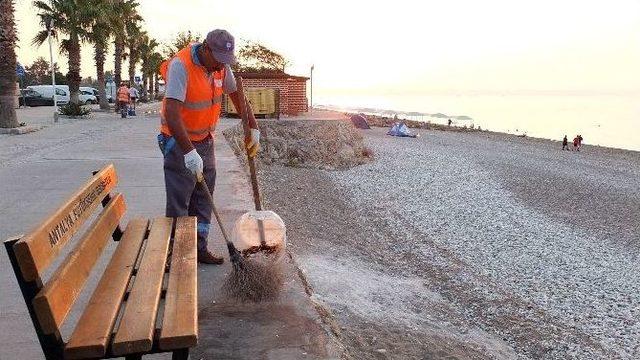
x=207, y=257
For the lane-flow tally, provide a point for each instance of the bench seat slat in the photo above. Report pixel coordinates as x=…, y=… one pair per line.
x=180, y=322
x=135, y=333
x=53, y=302
x=90, y=337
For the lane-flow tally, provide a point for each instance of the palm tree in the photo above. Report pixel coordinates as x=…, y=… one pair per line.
x=147, y=49
x=8, y=40
x=135, y=38
x=100, y=33
x=181, y=40
x=72, y=18
x=154, y=67
x=125, y=14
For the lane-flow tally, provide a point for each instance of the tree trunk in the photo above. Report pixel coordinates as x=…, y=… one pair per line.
x=73, y=76
x=8, y=40
x=100, y=57
x=155, y=84
x=151, y=92
x=132, y=66
x=117, y=60
x=145, y=89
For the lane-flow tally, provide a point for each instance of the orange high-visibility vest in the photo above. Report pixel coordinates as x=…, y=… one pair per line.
x=201, y=107
x=123, y=94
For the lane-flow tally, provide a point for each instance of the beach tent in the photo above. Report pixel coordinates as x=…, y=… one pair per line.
x=400, y=129
x=360, y=122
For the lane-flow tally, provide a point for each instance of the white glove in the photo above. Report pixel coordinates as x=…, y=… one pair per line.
x=193, y=162
x=254, y=142
x=255, y=137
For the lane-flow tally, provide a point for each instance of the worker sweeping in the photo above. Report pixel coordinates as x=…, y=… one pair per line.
x=196, y=79
x=123, y=99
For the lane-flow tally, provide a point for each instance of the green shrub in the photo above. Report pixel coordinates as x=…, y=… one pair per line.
x=72, y=109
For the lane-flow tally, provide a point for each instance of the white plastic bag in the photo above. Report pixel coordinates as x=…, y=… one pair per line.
x=246, y=231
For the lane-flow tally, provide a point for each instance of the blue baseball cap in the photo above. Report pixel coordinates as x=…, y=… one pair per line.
x=222, y=45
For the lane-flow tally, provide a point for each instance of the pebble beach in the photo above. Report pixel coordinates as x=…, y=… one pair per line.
x=471, y=245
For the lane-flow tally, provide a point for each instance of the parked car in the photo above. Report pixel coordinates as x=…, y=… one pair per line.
x=33, y=98
x=91, y=90
x=95, y=92
x=62, y=92
x=87, y=97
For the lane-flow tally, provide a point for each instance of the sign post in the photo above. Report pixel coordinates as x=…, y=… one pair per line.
x=21, y=74
x=311, y=107
x=53, y=73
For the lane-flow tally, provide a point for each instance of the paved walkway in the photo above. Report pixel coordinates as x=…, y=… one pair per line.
x=39, y=170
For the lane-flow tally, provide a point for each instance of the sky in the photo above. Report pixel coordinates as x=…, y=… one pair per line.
x=413, y=47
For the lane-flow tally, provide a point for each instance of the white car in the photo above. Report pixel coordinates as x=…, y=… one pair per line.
x=87, y=97
x=62, y=92
x=95, y=92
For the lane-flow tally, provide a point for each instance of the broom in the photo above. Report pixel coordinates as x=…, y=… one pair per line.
x=250, y=280
x=253, y=278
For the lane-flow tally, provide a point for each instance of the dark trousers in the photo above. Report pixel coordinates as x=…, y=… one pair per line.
x=184, y=196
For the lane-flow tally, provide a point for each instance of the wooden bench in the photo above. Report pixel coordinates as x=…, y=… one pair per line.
x=146, y=300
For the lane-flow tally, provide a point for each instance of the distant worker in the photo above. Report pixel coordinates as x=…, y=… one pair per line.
x=565, y=143
x=576, y=144
x=123, y=99
x=580, y=139
x=133, y=94
x=196, y=78
x=449, y=122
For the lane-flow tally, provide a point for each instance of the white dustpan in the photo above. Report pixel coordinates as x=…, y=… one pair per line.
x=246, y=235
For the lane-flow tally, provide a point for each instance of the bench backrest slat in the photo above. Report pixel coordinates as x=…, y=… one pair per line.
x=53, y=302
x=39, y=248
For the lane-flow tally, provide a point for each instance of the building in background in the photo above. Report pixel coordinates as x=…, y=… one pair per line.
x=291, y=90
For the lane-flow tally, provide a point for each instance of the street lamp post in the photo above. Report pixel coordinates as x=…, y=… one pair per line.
x=311, y=107
x=53, y=72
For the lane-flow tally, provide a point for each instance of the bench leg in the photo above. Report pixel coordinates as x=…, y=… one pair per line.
x=52, y=345
x=182, y=354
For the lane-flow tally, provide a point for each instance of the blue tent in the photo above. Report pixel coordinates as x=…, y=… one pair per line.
x=400, y=129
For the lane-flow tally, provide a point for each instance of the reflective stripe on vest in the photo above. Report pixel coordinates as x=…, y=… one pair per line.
x=200, y=105
x=202, y=131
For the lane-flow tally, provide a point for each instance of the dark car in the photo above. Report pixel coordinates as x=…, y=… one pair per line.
x=33, y=98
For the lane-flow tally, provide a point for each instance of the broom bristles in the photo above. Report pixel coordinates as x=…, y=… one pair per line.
x=255, y=281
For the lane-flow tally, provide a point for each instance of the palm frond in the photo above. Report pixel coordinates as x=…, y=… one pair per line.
x=64, y=46
x=43, y=6
x=40, y=38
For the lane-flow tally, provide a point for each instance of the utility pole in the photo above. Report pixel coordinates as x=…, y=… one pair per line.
x=21, y=74
x=311, y=107
x=53, y=72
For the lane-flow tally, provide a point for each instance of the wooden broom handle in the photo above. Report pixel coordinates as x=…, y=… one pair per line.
x=247, y=134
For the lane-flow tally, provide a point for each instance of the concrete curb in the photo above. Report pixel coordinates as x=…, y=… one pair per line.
x=20, y=130
x=73, y=117
x=292, y=326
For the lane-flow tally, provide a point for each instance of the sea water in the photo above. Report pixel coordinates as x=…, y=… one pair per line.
x=611, y=120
